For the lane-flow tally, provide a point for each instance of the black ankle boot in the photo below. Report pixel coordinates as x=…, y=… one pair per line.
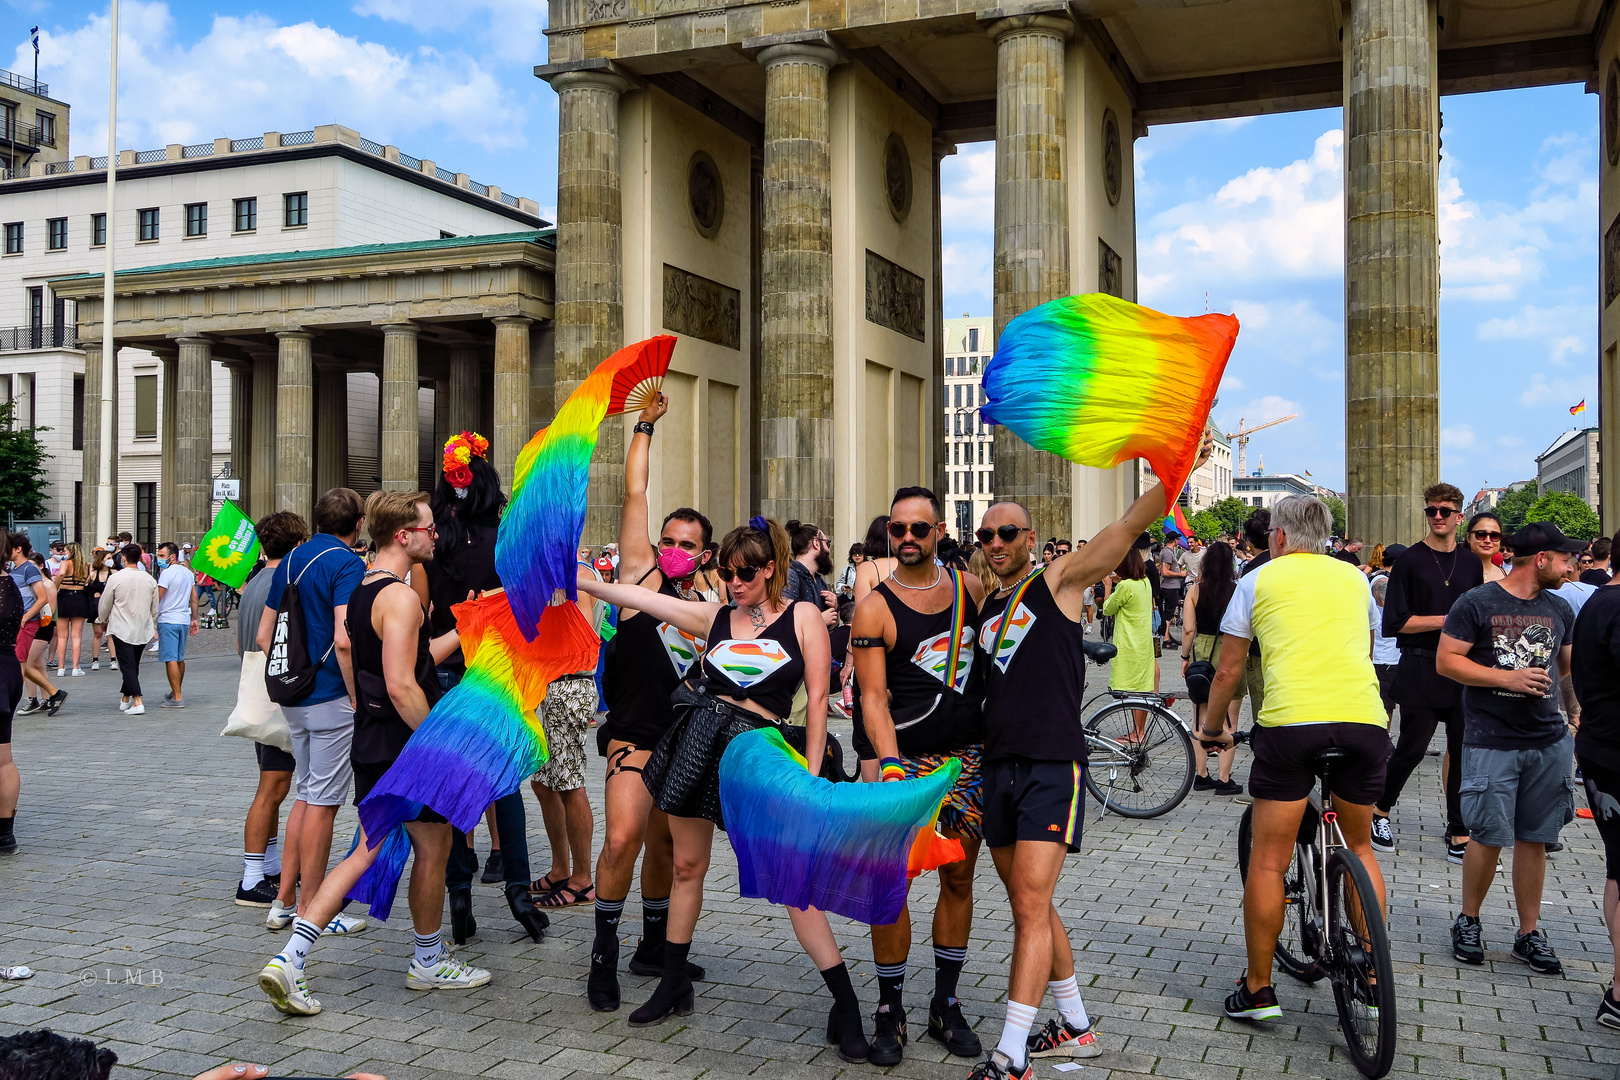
x=602, y=987
x=648, y=959
x=674, y=996
x=462, y=923
x=531, y=918
x=844, y=1031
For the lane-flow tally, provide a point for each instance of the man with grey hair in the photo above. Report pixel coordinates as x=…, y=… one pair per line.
x=1313, y=616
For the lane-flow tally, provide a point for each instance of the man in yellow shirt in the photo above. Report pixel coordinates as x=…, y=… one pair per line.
x=1313, y=616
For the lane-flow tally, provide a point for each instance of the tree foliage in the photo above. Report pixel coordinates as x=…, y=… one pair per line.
x=1569, y=512
x=1513, y=508
x=1231, y=512
x=1206, y=526
x=1335, y=506
x=22, y=468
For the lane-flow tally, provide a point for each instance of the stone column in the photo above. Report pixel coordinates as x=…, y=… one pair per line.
x=167, y=412
x=262, y=484
x=91, y=457
x=295, y=423
x=1032, y=231
x=1392, y=267
x=242, y=427
x=512, y=396
x=399, y=408
x=542, y=375
x=936, y=438
x=796, y=348
x=331, y=425
x=590, y=282
x=193, y=440
x=466, y=388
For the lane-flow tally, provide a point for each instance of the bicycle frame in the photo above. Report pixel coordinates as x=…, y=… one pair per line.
x=1329, y=837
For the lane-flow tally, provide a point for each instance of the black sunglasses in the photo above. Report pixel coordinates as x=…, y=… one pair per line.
x=1008, y=533
x=919, y=529
x=1485, y=534
x=1439, y=511
x=744, y=574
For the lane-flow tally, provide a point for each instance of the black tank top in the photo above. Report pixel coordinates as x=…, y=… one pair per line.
x=379, y=733
x=930, y=715
x=1035, y=685
x=646, y=660
x=765, y=670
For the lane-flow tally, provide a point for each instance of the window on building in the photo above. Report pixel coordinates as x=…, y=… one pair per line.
x=197, y=219
x=246, y=212
x=78, y=511
x=98, y=230
x=147, y=223
x=958, y=419
x=984, y=398
x=989, y=453
x=145, y=514
x=146, y=407
x=8, y=120
x=947, y=391
x=973, y=339
x=78, y=413
x=36, y=306
x=56, y=233
x=981, y=453
x=14, y=237
x=46, y=122
x=958, y=392
x=297, y=208
x=982, y=479
x=950, y=365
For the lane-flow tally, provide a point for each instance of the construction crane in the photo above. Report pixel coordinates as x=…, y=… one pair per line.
x=1241, y=437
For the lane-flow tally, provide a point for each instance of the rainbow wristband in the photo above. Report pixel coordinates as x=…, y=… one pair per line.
x=892, y=769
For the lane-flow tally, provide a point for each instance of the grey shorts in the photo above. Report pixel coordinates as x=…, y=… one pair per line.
x=321, y=738
x=566, y=715
x=1510, y=795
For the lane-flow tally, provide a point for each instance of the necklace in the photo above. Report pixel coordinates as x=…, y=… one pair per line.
x=939, y=572
x=756, y=615
x=685, y=593
x=1020, y=581
x=1450, y=570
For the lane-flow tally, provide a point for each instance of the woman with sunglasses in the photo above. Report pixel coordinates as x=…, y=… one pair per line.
x=1485, y=540
x=758, y=652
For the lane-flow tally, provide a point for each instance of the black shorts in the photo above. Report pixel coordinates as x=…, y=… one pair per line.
x=46, y=632
x=274, y=758
x=1284, y=766
x=1033, y=800
x=366, y=775
x=1603, y=797
x=1386, y=684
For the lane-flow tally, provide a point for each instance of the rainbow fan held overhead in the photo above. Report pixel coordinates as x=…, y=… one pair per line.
x=1101, y=381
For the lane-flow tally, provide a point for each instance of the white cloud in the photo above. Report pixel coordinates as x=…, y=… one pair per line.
x=1534, y=322
x=1560, y=390
x=1460, y=437
x=250, y=74
x=512, y=27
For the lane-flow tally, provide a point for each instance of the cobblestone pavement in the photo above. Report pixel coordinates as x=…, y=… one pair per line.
x=131, y=833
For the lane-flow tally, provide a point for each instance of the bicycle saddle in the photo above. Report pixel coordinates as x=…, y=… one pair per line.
x=1328, y=756
x=1098, y=652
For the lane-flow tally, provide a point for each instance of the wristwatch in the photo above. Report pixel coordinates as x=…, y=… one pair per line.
x=643, y=428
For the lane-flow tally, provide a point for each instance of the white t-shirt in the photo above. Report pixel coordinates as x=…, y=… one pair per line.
x=1576, y=593
x=175, y=604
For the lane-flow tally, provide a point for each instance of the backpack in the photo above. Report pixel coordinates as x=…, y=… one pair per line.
x=288, y=672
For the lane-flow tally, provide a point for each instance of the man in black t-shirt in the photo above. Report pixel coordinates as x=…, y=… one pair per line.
x=1599, y=573
x=1508, y=643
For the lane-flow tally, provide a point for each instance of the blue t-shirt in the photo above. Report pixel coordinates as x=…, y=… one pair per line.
x=324, y=584
x=26, y=576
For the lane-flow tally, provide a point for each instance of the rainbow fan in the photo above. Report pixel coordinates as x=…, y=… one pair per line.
x=806, y=842
x=481, y=740
x=547, y=509
x=1175, y=522
x=1099, y=381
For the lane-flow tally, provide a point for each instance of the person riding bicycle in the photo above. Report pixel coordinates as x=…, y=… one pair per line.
x=1313, y=616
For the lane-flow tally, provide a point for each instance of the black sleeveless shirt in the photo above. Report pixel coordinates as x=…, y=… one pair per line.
x=930, y=715
x=1035, y=687
x=379, y=733
x=766, y=669
x=646, y=660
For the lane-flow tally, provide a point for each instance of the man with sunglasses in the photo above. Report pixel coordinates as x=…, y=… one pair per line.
x=920, y=698
x=1032, y=639
x=1424, y=582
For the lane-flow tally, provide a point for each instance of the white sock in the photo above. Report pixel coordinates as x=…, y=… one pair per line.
x=428, y=948
x=304, y=934
x=1069, y=1004
x=272, y=857
x=1015, y=1032
x=252, y=869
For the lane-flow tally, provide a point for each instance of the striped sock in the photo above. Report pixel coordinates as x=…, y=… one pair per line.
x=252, y=869
x=1015, y=1033
x=654, y=921
x=948, y=963
x=428, y=948
x=891, y=982
x=1069, y=1003
x=605, y=949
x=304, y=934
x=272, y=857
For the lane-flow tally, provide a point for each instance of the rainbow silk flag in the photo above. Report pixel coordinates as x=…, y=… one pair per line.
x=806, y=842
x=1175, y=522
x=1100, y=381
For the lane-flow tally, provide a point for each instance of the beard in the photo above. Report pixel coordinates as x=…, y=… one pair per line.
x=824, y=564
x=913, y=556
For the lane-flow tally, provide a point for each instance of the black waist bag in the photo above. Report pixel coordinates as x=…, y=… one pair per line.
x=1200, y=675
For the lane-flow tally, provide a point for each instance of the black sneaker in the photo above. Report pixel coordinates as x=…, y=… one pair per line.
x=54, y=703
x=1205, y=783
x=1060, y=1039
x=493, y=869
x=888, y=1037
x=1467, y=944
x=1228, y=788
x=8, y=845
x=1383, y=834
x=261, y=895
x=999, y=1066
x=949, y=1028
x=1534, y=949
x=32, y=705
x=1259, y=1005
x=1455, y=850
x=1608, y=1013
x=1554, y=847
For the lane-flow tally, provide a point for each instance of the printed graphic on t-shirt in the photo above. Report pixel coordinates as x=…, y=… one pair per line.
x=934, y=654
x=1523, y=641
x=682, y=648
x=1023, y=620
x=748, y=663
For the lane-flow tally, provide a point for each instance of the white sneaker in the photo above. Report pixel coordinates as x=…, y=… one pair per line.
x=95, y=665
x=112, y=665
x=123, y=706
x=446, y=973
x=287, y=988
x=61, y=673
x=76, y=672
x=135, y=710
x=344, y=924
x=280, y=917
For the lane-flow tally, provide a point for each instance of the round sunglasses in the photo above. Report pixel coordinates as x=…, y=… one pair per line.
x=744, y=574
x=919, y=529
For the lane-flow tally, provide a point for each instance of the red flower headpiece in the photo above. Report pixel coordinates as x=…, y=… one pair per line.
x=458, y=455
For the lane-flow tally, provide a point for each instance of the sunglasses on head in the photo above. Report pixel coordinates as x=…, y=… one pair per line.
x=744, y=574
x=1438, y=511
x=919, y=529
x=1008, y=533
x=1486, y=534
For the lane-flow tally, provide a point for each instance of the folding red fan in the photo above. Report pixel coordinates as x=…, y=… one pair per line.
x=636, y=384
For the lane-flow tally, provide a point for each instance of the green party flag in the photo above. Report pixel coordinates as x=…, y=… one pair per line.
x=230, y=549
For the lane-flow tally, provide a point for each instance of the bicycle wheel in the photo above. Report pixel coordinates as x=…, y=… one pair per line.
x=1146, y=776
x=1299, y=944
x=1358, y=963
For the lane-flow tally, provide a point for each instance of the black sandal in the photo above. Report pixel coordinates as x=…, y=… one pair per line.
x=563, y=896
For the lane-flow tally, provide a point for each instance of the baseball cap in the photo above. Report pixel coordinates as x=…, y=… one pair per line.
x=1538, y=536
x=1393, y=550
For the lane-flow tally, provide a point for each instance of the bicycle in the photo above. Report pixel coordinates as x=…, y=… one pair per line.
x=1333, y=925
x=1148, y=772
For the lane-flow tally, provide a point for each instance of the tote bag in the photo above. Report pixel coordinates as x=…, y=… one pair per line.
x=256, y=717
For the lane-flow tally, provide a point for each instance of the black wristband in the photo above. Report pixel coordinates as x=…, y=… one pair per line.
x=643, y=428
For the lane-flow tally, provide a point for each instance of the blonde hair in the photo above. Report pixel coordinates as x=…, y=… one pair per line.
x=76, y=569
x=762, y=542
x=387, y=512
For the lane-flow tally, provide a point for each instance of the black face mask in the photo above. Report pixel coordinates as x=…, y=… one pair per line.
x=823, y=562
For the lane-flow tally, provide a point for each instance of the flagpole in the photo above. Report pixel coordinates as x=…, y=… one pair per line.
x=105, y=525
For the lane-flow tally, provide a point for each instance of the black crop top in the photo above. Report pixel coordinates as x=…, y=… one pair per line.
x=766, y=669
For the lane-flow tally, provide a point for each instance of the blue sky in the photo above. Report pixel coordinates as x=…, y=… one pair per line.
x=1249, y=212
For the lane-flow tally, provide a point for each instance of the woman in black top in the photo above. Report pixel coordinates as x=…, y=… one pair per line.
x=760, y=648
x=11, y=687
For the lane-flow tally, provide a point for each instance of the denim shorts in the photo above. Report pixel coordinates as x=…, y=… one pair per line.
x=1510, y=795
x=172, y=641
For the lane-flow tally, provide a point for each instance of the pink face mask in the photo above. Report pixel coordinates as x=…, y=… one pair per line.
x=675, y=563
